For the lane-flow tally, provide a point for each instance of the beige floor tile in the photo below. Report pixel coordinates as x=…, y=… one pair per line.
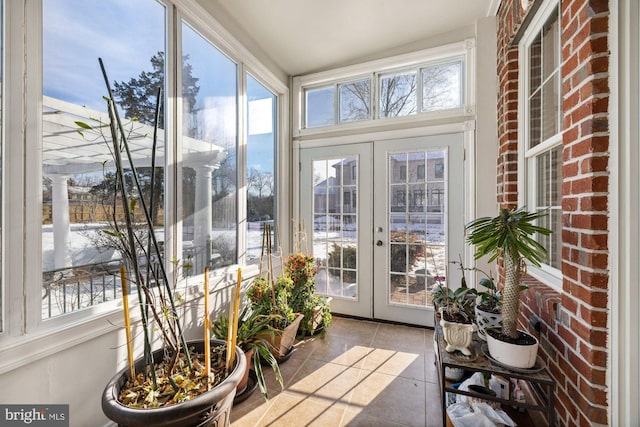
x=353, y=418
x=326, y=382
x=433, y=406
x=292, y=410
x=359, y=373
x=397, y=337
x=249, y=412
x=401, y=363
x=391, y=398
x=341, y=350
x=359, y=332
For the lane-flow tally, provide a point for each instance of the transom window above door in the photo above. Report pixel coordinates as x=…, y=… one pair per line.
x=429, y=83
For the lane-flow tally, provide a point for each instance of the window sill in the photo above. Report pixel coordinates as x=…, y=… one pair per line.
x=548, y=276
x=64, y=332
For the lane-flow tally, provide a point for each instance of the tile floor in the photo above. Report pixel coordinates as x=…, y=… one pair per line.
x=360, y=373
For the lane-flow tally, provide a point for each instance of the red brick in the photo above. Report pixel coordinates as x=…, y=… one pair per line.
x=597, y=319
x=594, y=241
x=570, y=271
x=568, y=337
x=594, y=280
x=588, y=221
x=593, y=356
x=588, y=146
x=594, y=203
x=594, y=164
x=594, y=298
x=586, y=332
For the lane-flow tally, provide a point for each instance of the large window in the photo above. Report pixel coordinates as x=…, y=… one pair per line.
x=261, y=137
x=189, y=178
x=209, y=152
x=542, y=140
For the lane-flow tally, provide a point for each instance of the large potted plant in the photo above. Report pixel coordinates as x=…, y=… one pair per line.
x=510, y=236
x=174, y=382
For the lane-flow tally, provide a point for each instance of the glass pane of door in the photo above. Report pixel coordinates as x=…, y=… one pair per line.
x=416, y=225
x=335, y=222
x=336, y=208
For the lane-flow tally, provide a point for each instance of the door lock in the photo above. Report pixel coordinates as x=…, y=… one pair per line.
x=379, y=243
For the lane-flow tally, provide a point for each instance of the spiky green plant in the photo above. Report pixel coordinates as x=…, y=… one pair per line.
x=511, y=236
x=252, y=329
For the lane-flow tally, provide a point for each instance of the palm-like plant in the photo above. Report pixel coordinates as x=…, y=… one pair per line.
x=510, y=235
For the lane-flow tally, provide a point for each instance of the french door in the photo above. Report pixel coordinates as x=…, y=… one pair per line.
x=387, y=219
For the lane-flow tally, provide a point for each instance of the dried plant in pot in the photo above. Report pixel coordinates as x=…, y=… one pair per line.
x=174, y=382
x=510, y=236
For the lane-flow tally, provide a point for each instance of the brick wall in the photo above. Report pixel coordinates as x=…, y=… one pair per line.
x=574, y=322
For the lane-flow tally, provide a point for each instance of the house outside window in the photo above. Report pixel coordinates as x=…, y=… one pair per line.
x=540, y=142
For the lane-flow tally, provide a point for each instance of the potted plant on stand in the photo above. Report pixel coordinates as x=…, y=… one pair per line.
x=510, y=237
x=457, y=319
x=488, y=307
x=178, y=383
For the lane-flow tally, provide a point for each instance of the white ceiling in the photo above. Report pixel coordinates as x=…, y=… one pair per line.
x=302, y=36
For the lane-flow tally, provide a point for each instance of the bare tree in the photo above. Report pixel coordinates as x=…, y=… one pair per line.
x=398, y=93
x=260, y=182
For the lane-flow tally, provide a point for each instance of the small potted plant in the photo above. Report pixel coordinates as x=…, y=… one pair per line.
x=251, y=332
x=456, y=314
x=271, y=298
x=510, y=236
x=487, y=308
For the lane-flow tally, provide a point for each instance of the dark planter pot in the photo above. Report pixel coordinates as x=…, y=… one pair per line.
x=212, y=408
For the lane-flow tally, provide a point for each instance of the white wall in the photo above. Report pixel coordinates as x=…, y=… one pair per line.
x=486, y=150
x=77, y=374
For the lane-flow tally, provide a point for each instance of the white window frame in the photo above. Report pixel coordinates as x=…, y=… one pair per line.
x=527, y=177
x=416, y=60
x=25, y=336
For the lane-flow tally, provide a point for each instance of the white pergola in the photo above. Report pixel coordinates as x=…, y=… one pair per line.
x=66, y=152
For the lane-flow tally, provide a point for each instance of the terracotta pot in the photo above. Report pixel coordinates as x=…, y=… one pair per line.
x=242, y=385
x=281, y=343
x=212, y=408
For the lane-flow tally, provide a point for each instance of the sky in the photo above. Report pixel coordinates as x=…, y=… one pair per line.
x=78, y=32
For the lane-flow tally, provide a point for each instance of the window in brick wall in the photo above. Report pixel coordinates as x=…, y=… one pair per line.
x=541, y=139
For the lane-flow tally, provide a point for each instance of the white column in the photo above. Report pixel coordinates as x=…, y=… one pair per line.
x=61, y=223
x=202, y=216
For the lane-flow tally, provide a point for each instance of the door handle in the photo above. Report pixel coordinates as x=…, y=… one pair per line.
x=379, y=243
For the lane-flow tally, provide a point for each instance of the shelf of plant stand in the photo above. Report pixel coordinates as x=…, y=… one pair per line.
x=540, y=382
